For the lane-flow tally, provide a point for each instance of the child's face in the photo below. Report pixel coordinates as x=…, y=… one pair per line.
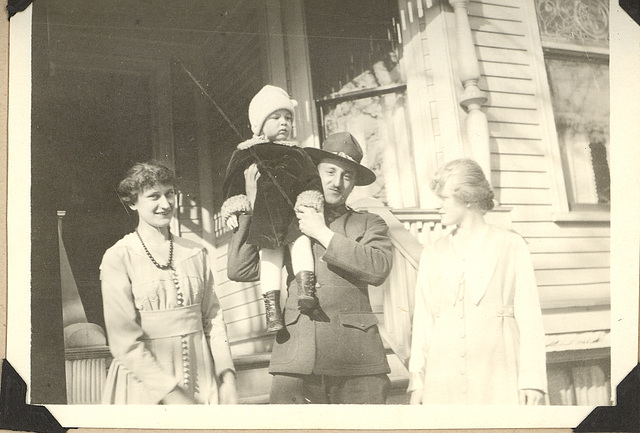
x=277, y=126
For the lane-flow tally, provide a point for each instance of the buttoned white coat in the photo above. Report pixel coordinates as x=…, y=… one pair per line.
x=477, y=329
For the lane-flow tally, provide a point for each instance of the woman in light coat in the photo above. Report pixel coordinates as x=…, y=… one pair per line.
x=477, y=328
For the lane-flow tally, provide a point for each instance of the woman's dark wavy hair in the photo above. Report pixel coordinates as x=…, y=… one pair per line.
x=471, y=185
x=141, y=176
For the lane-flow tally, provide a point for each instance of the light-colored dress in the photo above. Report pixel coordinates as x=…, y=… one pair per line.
x=157, y=343
x=478, y=336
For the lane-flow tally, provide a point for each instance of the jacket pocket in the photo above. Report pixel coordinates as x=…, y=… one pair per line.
x=362, y=321
x=356, y=344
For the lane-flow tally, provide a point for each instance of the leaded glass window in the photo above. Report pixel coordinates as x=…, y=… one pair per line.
x=575, y=40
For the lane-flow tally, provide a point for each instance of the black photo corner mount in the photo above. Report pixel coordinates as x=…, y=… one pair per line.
x=632, y=8
x=15, y=6
x=15, y=413
x=624, y=416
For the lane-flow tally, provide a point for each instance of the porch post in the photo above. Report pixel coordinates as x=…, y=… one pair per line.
x=472, y=97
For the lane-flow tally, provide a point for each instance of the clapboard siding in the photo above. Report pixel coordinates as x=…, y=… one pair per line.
x=239, y=312
x=242, y=296
x=522, y=72
x=546, y=277
x=484, y=38
x=242, y=306
x=546, y=229
x=502, y=3
x=527, y=163
x=516, y=146
x=574, y=295
x=507, y=84
x=576, y=260
x=500, y=98
x=568, y=245
x=497, y=26
x=506, y=179
x=492, y=10
x=510, y=130
x=511, y=115
x=522, y=195
x=496, y=54
x=555, y=321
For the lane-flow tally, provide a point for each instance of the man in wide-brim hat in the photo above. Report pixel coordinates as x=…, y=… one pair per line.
x=333, y=354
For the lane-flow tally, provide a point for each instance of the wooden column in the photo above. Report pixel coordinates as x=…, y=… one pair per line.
x=472, y=97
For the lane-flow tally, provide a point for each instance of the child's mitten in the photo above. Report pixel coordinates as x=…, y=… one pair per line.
x=310, y=198
x=237, y=204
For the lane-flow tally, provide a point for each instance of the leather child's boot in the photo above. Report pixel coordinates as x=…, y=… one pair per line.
x=275, y=321
x=307, y=300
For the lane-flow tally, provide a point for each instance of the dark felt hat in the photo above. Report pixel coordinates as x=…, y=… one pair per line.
x=343, y=146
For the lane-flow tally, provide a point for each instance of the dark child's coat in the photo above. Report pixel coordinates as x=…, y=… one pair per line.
x=286, y=170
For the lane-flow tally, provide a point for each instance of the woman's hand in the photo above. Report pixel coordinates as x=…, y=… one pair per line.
x=228, y=392
x=251, y=176
x=178, y=396
x=531, y=397
x=416, y=397
x=232, y=222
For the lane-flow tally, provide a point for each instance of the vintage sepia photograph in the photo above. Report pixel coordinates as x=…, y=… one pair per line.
x=406, y=206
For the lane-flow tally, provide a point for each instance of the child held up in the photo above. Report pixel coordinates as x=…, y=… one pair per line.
x=287, y=180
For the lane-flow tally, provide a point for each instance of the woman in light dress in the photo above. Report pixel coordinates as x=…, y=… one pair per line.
x=477, y=328
x=164, y=323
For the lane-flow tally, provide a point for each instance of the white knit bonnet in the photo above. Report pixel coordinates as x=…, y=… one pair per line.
x=267, y=100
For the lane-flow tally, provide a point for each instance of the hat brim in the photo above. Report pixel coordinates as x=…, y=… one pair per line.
x=364, y=176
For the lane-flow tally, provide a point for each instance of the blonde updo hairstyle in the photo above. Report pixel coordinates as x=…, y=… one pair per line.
x=470, y=187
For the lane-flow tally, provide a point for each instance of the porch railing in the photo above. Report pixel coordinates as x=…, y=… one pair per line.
x=409, y=230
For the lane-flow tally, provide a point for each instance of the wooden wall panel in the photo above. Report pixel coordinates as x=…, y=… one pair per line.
x=568, y=245
x=493, y=10
x=571, y=259
x=517, y=146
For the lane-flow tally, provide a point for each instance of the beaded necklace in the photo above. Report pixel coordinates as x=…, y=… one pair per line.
x=179, y=299
x=169, y=264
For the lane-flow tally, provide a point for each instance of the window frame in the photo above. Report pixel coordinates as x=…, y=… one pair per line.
x=565, y=210
x=323, y=103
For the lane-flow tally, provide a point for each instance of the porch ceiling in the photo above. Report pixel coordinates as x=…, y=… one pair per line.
x=178, y=21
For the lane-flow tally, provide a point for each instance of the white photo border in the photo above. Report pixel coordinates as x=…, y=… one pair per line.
x=625, y=242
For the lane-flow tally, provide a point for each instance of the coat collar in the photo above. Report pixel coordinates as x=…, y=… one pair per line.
x=333, y=213
x=263, y=140
x=479, y=262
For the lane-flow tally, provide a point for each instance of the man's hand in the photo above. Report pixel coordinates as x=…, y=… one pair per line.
x=228, y=392
x=531, y=397
x=251, y=176
x=312, y=224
